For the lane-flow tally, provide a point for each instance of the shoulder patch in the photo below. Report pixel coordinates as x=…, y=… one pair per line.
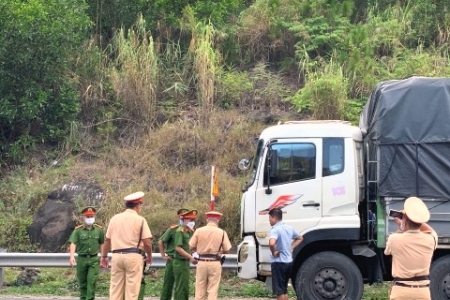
x=79, y=226
x=96, y=225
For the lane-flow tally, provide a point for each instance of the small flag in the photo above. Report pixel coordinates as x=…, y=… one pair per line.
x=215, y=188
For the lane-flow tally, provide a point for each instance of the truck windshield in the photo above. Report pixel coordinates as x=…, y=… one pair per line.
x=254, y=164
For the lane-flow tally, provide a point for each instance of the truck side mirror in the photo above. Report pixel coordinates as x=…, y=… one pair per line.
x=272, y=163
x=272, y=167
x=243, y=164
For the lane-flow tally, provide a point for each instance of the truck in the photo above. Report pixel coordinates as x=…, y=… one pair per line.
x=336, y=184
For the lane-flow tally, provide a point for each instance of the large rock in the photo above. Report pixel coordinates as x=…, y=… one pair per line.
x=55, y=219
x=27, y=276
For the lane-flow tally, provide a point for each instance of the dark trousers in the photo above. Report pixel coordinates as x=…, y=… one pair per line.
x=280, y=277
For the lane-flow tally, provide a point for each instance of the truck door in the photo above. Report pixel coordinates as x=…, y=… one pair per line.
x=292, y=182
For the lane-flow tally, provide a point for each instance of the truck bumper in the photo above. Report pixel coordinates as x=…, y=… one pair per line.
x=247, y=262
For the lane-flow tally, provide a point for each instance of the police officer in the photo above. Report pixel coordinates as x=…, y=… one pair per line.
x=183, y=256
x=129, y=237
x=210, y=242
x=167, y=250
x=412, y=248
x=86, y=241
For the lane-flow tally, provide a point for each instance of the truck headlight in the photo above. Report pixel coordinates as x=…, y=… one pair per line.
x=444, y=240
x=243, y=253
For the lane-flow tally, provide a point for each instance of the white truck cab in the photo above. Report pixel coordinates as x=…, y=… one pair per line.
x=336, y=183
x=313, y=171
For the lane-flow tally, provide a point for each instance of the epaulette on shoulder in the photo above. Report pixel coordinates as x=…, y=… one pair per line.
x=79, y=226
x=96, y=225
x=174, y=226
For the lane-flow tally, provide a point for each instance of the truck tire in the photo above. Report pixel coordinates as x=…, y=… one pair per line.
x=440, y=278
x=329, y=276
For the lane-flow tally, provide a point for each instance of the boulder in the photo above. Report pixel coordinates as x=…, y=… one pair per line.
x=27, y=277
x=56, y=218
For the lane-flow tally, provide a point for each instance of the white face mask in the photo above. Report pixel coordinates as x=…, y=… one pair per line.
x=89, y=221
x=191, y=224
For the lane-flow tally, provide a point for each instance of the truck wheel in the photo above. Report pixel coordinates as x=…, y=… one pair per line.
x=329, y=276
x=440, y=278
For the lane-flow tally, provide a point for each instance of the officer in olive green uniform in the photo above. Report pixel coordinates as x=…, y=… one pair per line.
x=86, y=241
x=166, y=246
x=182, y=256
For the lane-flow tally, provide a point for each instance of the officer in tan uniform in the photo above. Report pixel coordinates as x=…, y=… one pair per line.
x=128, y=236
x=210, y=242
x=412, y=248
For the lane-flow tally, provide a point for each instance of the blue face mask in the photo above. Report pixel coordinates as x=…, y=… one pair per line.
x=180, y=222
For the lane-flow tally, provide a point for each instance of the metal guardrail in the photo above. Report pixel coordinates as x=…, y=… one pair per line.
x=55, y=260
x=61, y=260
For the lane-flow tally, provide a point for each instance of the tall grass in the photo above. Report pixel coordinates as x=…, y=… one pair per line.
x=205, y=64
x=135, y=75
x=205, y=61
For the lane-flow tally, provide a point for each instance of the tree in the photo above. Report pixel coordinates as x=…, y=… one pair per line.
x=38, y=98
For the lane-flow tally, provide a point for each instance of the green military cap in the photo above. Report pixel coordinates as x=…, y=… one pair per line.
x=191, y=214
x=88, y=211
x=182, y=211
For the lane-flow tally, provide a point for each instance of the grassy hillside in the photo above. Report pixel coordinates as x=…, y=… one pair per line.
x=171, y=164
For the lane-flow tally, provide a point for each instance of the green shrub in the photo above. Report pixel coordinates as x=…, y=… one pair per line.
x=13, y=234
x=324, y=94
x=232, y=88
x=321, y=28
x=38, y=99
x=262, y=31
x=417, y=62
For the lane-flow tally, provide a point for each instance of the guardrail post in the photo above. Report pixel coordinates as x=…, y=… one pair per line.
x=2, y=271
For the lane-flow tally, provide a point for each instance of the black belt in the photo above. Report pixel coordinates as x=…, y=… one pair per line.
x=205, y=256
x=128, y=250
x=211, y=257
x=415, y=278
x=411, y=286
x=87, y=255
